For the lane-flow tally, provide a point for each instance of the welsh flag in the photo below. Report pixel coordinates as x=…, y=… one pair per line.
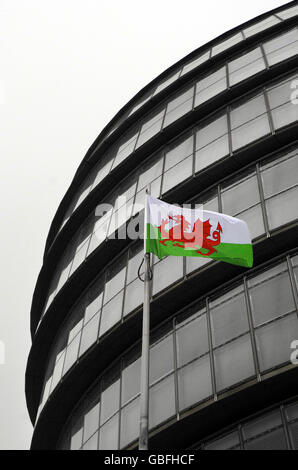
x=181, y=231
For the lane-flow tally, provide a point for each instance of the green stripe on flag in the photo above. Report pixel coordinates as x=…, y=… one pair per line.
x=233, y=253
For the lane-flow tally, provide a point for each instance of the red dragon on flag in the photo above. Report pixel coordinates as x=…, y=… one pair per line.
x=181, y=234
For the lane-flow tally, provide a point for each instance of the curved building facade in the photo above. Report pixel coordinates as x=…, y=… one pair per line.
x=219, y=128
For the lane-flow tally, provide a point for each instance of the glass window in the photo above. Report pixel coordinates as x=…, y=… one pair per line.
x=82, y=192
x=151, y=127
x=245, y=66
x=212, y=78
x=288, y=13
x=263, y=424
x=283, y=208
x=292, y=411
x=165, y=83
x=211, y=153
x=126, y=148
x=272, y=441
x=194, y=382
x=115, y=279
x=57, y=374
x=233, y=362
x=46, y=391
x=278, y=295
x=210, y=92
x=125, y=192
x=244, y=60
x=108, y=435
x=150, y=171
x=211, y=86
x=161, y=401
x=140, y=103
x=222, y=46
x=135, y=260
x=179, y=106
x=282, y=47
x=193, y=263
x=131, y=381
x=293, y=428
x=100, y=231
x=78, y=326
x=122, y=212
x=281, y=93
x=296, y=275
x=209, y=200
x=244, y=72
x=177, y=174
x=238, y=197
x=211, y=204
x=211, y=131
x=64, y=268
x=109, y=401
x=228, y=319
x=280, y=176
x=140, y=196
x=265, y=275
x=285, y=114
x=79, y=258
x=130, y=422
x=250, y=131
x=192, y=339
x=294, y=260
x=224, y=443
x=94, y=299
x=52, y=293
x=260, y=26
x=91, y=421
x=161, y=358
x=72, y=353
x=133, y=296
x=102, y=170
x=254, y=219
x=217, y=148
x=92, y=443
x=274, y=339
x=119, y=218
x=76, y=440
x=166, y=272
x=111, y=313
x=83, y=234
x=179, y=152
x=248, y=111
x=89, y=334
x=195, y=62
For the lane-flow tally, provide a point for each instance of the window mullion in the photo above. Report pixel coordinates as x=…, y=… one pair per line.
x=175, y=370
x=251, y=331
x=263, y=202
x=293, y=283
x=211, y=357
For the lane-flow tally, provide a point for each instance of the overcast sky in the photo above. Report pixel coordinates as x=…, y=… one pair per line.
x=67, y=66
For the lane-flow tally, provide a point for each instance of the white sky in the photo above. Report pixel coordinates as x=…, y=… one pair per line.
x=66, y=67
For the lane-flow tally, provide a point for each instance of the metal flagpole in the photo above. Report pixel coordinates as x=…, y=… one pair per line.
x=144, y=399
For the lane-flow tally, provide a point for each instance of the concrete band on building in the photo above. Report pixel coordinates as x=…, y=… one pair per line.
x=219, y=128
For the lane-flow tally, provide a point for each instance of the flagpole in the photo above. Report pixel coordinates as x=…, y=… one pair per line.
x=144, y=398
